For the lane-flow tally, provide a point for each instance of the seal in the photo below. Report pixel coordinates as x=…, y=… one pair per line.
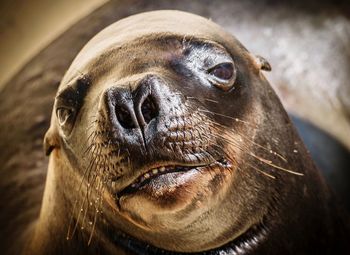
x=166, y=138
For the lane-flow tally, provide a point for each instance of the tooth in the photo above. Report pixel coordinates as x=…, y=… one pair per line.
x=155, y=171
x=162, y=169
x=146, y=175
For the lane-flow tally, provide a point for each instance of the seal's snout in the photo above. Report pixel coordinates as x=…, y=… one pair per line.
x=132, y=108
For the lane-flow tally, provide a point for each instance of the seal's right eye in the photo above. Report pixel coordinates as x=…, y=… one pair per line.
x=67, y=104
x=65, y=117
x=63, y=114
x=69, y=101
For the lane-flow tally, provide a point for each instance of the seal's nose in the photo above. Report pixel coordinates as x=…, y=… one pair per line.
x=125, y=116
x=132, y=109
x=147, y=109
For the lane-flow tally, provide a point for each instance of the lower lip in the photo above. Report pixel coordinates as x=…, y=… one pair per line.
x=167, y=180
x=166, y=190
x=171, y=181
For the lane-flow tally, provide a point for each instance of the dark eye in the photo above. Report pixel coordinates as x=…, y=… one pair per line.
x=222, y=71
x=65, y=117
x=63, y=114
x=223, y=75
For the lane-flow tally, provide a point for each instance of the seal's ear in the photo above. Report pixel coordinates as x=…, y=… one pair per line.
x=51, y=140
x=261, y=63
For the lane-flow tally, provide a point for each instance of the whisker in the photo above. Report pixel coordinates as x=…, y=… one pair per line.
x=264, y=148
x=206, y=99
x=79, y=214
x=100, y=191
x=268, y=162
x=91, y=146
x=88, y=169
x=91, y=125
x=258, y=145
x=261, y=171
x=226, y=116
x=242, y=148
x=89, y=189
x=69, y=232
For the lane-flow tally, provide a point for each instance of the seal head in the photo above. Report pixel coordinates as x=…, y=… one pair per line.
x=164, y=130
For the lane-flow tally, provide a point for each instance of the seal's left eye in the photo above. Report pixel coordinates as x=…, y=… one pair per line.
x=223, y=75
x=222, y=71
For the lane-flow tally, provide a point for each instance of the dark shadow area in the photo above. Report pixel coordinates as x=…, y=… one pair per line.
x=330, y=156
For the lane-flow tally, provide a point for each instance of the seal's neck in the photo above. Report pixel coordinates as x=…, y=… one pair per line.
x=51, y=230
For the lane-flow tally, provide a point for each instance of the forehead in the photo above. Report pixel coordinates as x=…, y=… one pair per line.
x=146, y=54
x=146, y=36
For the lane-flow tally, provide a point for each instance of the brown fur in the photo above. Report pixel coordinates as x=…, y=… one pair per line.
x=42, y=167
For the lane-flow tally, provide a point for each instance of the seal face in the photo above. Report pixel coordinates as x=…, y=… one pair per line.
x=154, y=136
x=166, y=124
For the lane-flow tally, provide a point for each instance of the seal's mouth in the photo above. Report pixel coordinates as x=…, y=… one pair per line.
x=166, y=173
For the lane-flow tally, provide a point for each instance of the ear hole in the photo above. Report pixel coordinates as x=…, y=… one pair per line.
x=263, y=64
x=50, y=142
x=48, y=149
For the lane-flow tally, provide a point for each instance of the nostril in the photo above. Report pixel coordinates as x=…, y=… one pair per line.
x=149, y=109
x=124, y=118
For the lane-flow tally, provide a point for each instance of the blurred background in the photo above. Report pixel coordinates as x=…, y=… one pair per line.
x=26, y=27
